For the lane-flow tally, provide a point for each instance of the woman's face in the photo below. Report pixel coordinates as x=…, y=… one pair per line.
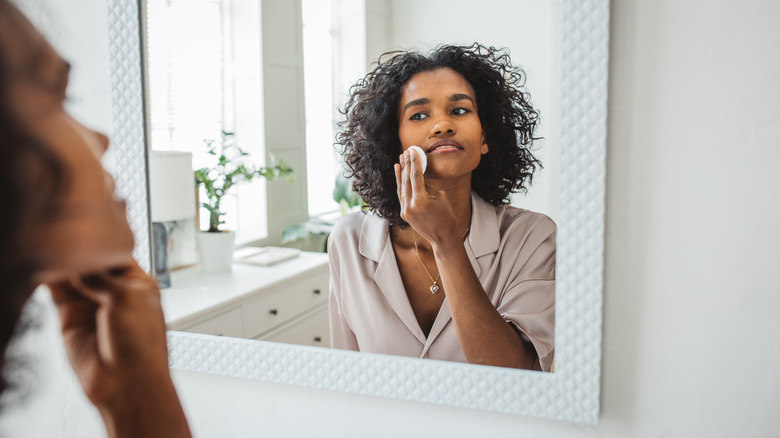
x=90, y=232
x=438, y=112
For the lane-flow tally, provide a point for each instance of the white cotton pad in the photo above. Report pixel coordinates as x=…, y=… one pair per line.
x=421, y=154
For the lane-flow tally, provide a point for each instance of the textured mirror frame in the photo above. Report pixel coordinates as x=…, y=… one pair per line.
x=128, y=142
x=571, y=393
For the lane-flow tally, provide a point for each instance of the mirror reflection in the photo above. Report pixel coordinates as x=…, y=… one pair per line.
x=233, y=84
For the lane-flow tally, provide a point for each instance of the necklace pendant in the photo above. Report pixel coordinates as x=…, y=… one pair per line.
x=434, y=288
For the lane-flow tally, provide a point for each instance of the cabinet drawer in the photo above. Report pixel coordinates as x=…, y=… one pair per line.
x=226, y=324
x=312, y=329
x=283, y=303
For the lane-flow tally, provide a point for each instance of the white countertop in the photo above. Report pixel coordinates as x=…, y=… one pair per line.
x=194, y=294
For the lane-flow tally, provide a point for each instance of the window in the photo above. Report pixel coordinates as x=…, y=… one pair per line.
x=333, y=59
x=204, y=69
x=321, y=164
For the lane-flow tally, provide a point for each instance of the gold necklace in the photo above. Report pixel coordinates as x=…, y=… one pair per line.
x=434, y=287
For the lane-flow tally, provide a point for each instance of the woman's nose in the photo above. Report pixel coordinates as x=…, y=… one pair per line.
x=443, y=126
x=103, y=140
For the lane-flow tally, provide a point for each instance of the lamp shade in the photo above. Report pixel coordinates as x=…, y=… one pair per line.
x=172, y=186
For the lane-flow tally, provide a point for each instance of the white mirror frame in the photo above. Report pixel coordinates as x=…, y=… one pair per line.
x=571, y=393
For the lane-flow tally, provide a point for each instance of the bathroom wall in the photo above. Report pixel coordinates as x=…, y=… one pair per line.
x=691, y=330
x=691, y=327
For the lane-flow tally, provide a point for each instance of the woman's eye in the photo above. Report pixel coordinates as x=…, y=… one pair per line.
x=460, y=111
x=418, y=116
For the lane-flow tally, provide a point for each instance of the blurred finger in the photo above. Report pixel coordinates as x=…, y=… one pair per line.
x=76, y=311
x=63, y=293
x=90, y=286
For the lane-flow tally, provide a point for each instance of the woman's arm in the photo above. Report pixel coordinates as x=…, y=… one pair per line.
x=485, y=337
x=114, y=334
x=341, y=335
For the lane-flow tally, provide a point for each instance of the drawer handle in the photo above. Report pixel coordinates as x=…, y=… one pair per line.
x=317, y=339
x=316, y=291
x=274, y=312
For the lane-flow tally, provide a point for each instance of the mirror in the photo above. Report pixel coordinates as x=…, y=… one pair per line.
x=199, y=83
x=572, y=392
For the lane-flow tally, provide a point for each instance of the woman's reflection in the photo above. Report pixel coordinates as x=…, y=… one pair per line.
x=440, y=266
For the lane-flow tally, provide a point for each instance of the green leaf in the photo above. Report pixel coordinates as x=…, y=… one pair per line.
x=231, y=167
x=301, y=230
x=343, y=194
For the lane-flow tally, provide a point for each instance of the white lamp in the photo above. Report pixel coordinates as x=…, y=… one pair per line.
x=172, y=193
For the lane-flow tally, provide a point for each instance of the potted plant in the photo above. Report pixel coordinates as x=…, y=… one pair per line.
x=348, y=201
x=231, y=166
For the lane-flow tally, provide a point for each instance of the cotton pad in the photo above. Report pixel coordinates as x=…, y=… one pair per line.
x=421, y=154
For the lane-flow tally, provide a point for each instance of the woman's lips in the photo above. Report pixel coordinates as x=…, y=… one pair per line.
x=442, y=146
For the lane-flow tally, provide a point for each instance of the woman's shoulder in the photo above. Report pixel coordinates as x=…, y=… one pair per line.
x=530, y=238
x=345, y=233
x=348, y=228
x=349, y=223
x=362, y=234
x=514, y=218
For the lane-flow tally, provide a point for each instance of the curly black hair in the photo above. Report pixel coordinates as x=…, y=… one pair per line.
x=33, y=181
x=369, y=135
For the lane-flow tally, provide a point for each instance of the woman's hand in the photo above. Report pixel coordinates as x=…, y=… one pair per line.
x=430, y=214
x=114, y=334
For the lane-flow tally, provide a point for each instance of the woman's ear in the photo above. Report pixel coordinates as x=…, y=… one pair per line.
x=484, y=148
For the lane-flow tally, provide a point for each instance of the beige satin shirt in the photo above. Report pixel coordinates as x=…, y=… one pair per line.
x=511, y=250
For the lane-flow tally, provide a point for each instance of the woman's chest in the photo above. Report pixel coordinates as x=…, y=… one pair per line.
x=423, y=286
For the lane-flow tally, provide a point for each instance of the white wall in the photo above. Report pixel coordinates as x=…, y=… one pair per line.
x=691, y=331
x=692, y=334
x=80, y=35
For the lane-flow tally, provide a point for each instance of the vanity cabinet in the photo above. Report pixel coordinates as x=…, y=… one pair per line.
x=225, y=324
x=286, y=302
x=306, y=331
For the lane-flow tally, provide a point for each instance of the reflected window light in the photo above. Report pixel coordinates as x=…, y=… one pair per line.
x=318, y=43
x=333, y=43
x=195, y=91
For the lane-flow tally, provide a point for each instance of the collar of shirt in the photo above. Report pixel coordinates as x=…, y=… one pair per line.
x=483, y=236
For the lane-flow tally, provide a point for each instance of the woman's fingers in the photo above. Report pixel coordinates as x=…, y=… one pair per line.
x=427, y=213
x=399, y=183
x=409, y=177
x=75, y=309
x=63, y=293
x=410, y=184
x=397, y=170
x=406, y=190
x=402, y=182
x=100, y=287
x=417, y=184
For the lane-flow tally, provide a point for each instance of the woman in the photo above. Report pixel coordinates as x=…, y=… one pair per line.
x=440, y=267
x=64, y=227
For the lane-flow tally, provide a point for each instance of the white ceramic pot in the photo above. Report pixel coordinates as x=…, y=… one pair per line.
x=216, y=250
